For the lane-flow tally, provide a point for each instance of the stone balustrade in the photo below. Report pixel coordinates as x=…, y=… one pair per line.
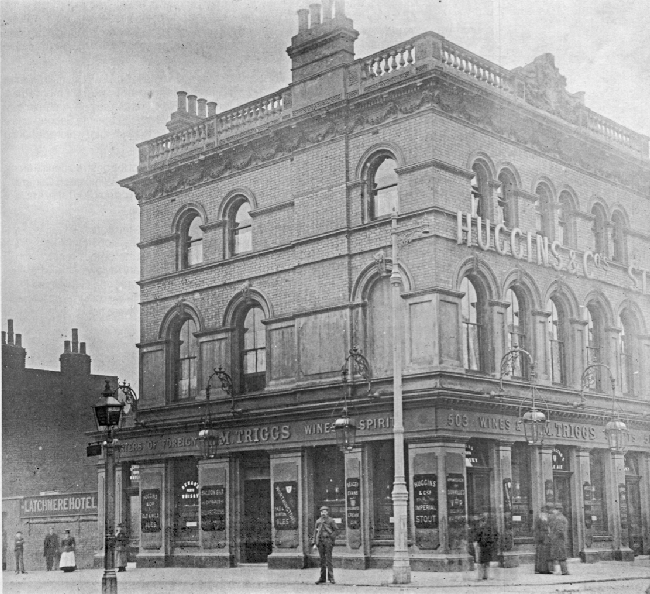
x=388, y=60
x=251, y=114
x=479, y=68
x=616, y=133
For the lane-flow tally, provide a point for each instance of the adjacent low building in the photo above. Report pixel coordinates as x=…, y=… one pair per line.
x=520, y=218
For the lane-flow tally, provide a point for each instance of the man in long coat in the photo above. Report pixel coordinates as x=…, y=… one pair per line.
x=324, y=538
x=559, y=530
x=542, y=541
x=487, y=539
x=50, y=549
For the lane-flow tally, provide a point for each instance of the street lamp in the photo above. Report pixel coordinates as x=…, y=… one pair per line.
x=346, y=430
x=108, y=416
x=616, y=430
x=533, y=419
x=401, y=565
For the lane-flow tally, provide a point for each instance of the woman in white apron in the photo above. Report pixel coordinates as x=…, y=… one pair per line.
x=67, y=562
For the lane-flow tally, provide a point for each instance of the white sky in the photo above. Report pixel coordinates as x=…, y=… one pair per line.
x=83, y=82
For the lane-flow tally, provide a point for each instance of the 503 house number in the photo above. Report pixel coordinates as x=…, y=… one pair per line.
x=457, y=420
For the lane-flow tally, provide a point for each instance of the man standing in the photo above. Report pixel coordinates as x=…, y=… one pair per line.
x=19, y=543
x=50, y=549
x=324, y=537
x=542, y=540
x=121, y=548
x=487, y=539
x=558, y=529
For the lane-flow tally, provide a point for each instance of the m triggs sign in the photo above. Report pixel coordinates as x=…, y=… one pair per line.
x=71, y=504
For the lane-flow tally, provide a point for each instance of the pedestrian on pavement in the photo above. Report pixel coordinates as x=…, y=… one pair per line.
x=68, y=544
x=558, y=529
x=121, y=547
x=19, y=545
x=487, y=539
x=50, y=549
x=542, y=541
x=324, y=538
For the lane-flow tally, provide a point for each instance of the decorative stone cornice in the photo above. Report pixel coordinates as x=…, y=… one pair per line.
x=436, y=164
x=158, y=241
x=269, y=209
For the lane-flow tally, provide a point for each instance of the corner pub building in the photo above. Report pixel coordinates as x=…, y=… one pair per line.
x=266, y=252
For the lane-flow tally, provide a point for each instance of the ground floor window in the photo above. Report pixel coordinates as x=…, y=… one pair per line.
x=185, y=474
x=522, y=508
x=329, y=482
x=383, y=477
x=598, y=500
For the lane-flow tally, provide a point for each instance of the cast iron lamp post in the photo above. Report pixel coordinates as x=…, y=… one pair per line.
x=108, y=415
x=208, y=437
x=346, y=430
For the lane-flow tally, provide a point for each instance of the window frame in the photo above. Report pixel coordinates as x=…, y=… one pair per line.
x=629, y=354
x=480, y=323
x=543, y=210
x=619, y=239
x=595, y=342
x=176, y=359
x=506, y=194
x=186, y=242
x=599, y=230
x=557, y=326
x=257, y=381
x=481, y=195
x=521, y=363
x=370, y=191
x=566, y=235
x=234, y=227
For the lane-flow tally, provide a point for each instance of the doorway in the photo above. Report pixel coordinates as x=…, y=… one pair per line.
x=562, y=489
x=256, y=521
x=634, y=515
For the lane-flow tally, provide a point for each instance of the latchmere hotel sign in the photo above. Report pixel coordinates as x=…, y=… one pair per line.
x=61, y=504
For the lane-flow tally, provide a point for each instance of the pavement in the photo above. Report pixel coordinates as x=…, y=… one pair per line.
x=605, y=577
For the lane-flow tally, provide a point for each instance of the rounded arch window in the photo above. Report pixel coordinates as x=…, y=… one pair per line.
x=252, y=350
x=543, y=211
x=192, y=241
x=557, y=333
x=517, y=327
x=505, y=203
x=630, y=354
x=473, y=316
x=185, y=354
x=381, y=185
x=480, y=190
x=379, y=334
x=599, y=230
x=241, y=230
x=565, y=231
x=618, y=238
x=595, y=328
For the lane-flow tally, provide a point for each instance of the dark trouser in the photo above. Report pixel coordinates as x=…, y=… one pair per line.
x=484, y=570
x=325, y=551
x=563, y=566
x=20, y=566
x=49, y=561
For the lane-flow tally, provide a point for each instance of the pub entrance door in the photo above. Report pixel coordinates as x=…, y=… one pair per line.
x=634, y=515
x=562, y=488
x=256, y=510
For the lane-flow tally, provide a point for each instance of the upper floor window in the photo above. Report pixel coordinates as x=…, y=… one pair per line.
x=595, y=328
x=618, y=238
x=543, y=211
x=252, y=350
x=381, y=186
x=505, y=203
x=379, y=333
x=185, y=353
x=599, y=230
x=629, y=351
x=480, y=191
x=473, y=328
x=556, y=330
x=516, y=317
x=564, y=220
x=240, y=228
x=192, y=242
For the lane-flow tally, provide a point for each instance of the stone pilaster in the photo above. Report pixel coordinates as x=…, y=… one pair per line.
x=215, y=513
x=616, y=502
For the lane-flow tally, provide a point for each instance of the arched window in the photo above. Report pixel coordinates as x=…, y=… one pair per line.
x=480, y=191
x=379, y=329
x=543, y=216
x=565, y=231
x=240, y=227
x=618, y=238
x=505, y=205
x=629, y=350
x=599, y=230
x=381, y=185
x=252, y=350
x=595, y=341
x=557, y=334
x=516, y=316
x=191, y=241
x=472, y=309
x=185, y=355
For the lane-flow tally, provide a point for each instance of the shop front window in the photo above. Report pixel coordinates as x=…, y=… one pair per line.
x=598, y=501
x=186, y=502
x=329, y=483
x=522, y=509
x=383, y=476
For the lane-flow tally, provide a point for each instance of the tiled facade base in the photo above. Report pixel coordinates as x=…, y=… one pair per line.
x=624, y=554
x=357, y=562
x=151, y=561
x=433, y=563
x=297, y=561
x=509, y=559
x=203, y=561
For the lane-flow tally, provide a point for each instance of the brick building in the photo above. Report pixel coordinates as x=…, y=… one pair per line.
x=266, y=251
x=47, y=479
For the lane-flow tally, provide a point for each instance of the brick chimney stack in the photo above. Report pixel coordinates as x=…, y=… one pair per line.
x=190, y=111
x=13, y=353
x=75, y=361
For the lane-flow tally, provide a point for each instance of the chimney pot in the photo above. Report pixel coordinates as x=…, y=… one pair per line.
x=315, y=14
x=19, y=340
x=82, y=348
x=212, y=108
x=4, y=337
x=75, y=340
x=10, y=334
x=191, y=104
x=201, y=110
x=303, y=20
x=182, y=101
x=339, y=8
x=66, y=346
x=327, y=11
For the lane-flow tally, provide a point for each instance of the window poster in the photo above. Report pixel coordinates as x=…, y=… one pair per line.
x=213, y=508
x=425, y=500
x=150, y=510
x=353, y=494
x=285, y=506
